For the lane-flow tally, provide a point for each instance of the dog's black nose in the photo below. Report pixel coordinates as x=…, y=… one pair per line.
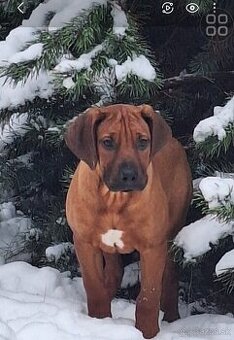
x=128, y=173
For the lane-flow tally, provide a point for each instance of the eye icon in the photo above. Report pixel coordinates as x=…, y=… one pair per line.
x=192, y=8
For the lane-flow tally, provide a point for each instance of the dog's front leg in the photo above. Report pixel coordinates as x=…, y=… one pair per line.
x=152, y=262
x=91, y=263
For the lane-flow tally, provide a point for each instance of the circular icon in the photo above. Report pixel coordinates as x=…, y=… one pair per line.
x=192, y=8
x=217, y=24
x=167, y=7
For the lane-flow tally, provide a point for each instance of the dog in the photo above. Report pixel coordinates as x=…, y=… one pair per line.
x=130, y=191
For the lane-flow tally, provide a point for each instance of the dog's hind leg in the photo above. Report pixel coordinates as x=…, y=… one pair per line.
x=113, y=272
x=169, y=297
x=91, y=263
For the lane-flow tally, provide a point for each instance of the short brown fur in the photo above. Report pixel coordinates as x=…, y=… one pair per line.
x=148, y=217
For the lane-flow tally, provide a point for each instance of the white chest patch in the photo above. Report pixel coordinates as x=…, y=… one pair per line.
x=112, y=238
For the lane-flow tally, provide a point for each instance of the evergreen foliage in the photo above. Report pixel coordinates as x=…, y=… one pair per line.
x=40, y=183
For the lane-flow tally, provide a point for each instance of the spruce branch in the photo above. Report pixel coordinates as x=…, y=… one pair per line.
x=130, y=45
x=216, y=54
x=58, y=107
x=17, y=72
x=76, y=37
x=136, y=88
x=192, y=78
x=227, y=280
x=177, y=253
x=224, y=212
x=212, y=147
x=82, y=83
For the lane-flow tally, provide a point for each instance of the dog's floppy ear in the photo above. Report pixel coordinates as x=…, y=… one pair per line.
x=160, y=131
x=80, y=136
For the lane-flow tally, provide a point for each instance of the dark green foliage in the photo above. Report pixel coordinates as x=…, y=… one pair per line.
x=212, y=147
x=225, y=211
x=136, y=88
x=40, y=184
x=10, y=17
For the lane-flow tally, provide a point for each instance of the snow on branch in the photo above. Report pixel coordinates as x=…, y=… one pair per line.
x=138, y=65
x=225, y=263
x=120, y=22
x=15, y=50
x=195, y=239
x=224, y=271
x=83, y=62
x=16, y=126
x=217, y=196
x=14, y=95
x=217, y=191
x=55, y=252
x=215, y=125
x=14, y=228
x=63, y=12
x=65, y=46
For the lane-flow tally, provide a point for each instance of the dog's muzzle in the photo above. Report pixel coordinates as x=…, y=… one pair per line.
x=128, y=179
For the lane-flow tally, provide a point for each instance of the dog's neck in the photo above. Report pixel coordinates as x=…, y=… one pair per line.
x=91, y=184
x=120, y=198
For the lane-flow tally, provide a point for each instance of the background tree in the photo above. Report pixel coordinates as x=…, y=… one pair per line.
x=64, y=58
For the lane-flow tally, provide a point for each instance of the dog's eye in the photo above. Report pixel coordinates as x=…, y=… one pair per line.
x=108, y=143
x=142, y=143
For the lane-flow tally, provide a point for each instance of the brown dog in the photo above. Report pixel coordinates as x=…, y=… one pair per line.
x=131, y=191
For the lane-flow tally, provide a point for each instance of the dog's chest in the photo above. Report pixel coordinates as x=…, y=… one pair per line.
x=117, y=224
x=115, y=233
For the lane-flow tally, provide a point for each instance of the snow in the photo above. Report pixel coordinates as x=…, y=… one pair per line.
x=64, y=12
x=54, y=253
x=120, y=22
x=32, y=52
x=21, y=45
x=215, y=125
x=16, y=126
x=15, y=42
x=7, y=211
x=15, y=49
x=104, y=84
x=14, y=227
x=217, y=191
x=83, y=62
x=196, y=238
x=140, y=66
x=226, y=262
x=131, y=275
x=68, y=83
x=14, y=95
x=42, y=303
x=199, y=327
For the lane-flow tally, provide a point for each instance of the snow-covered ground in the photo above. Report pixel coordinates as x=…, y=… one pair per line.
x=47, y=305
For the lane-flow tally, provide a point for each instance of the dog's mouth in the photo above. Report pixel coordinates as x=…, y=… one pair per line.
x=128, y=183
x=127, y=189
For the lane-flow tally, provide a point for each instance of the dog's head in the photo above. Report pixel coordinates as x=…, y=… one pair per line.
x=122, y=139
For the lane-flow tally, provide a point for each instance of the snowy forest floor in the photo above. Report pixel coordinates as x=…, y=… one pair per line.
x=47, y=305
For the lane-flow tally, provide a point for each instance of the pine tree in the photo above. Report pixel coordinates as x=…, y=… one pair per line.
x=64, y=58
x=214, y=195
